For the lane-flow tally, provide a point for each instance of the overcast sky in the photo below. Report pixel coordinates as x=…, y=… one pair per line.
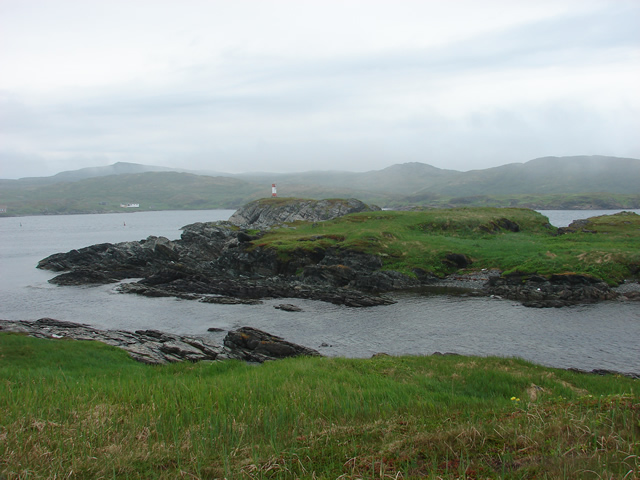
x=261, y=85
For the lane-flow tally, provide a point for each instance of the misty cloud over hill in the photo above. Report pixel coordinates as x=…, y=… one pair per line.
x=99, y=189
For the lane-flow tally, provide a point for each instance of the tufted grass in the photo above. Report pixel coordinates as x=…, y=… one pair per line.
x=83, y=410
x=409, y=240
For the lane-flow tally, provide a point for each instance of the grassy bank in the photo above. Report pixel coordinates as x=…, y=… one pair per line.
x=409, y=240
x=84, y=410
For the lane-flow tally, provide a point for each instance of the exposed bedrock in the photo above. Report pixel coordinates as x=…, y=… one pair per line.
x=254, y=345
x=155, y=347
x=216, y=259
x=555, y=291
x=269, y=212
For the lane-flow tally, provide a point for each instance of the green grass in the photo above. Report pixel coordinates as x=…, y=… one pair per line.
x=84, y=410
x=409, y=240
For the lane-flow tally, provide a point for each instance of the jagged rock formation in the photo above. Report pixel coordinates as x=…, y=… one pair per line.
x=216, y=263
x=155, y=347
x=254, y=345
x=268, y=212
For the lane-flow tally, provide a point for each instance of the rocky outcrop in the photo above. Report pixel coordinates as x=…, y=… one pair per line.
x=243, y=291
x=254, y=345
x=555, y=291
x=580, y=225
x=107, y=262
x=155, y=347
x=287, y=307
x=217, y=263
x=266, y=213
x=593, y=224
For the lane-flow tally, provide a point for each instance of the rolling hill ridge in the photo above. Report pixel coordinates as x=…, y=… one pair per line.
x=549, y=182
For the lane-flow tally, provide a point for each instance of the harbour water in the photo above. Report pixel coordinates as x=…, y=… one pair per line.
x=604, y=335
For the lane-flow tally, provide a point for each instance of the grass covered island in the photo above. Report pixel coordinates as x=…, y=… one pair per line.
x=282, y=249
x=84, y=410
x=512, y=240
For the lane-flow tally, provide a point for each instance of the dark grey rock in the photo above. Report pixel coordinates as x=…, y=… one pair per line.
x=254, y=345
x=287, y=307
x=222, y=300
x=603, y=372
x=266, y=213
x=217, y=263
x=156, y=347
x=83, y=277
x=556, y=291
x=458, y=260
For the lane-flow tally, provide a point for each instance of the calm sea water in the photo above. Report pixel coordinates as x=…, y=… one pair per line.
x=562, y=218
x=592, y=336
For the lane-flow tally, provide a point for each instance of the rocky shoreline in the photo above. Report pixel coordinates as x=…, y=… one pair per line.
x=220, y=263
x=215, y=262
x=224, y=262
x=153, y=347
x=156, y=348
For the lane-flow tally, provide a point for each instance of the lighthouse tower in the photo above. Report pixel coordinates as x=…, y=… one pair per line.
x=273, y=190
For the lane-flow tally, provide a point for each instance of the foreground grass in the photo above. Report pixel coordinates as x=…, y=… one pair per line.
x=409, y=240
x=84, y=410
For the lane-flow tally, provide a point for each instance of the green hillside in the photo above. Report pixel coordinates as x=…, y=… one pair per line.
x=152, y=190
x=396, y=180
x=582, y=174
x=549, y=175
x=545, y=183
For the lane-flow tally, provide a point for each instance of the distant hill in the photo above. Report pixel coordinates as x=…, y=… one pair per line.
x=118, y=168
x=151, y=190
x=549, y=182
x=579, y=174
x=396, y=179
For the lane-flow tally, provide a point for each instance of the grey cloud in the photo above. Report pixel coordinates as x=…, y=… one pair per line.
x=565, y=40
x=275, y=113
x=259, y=85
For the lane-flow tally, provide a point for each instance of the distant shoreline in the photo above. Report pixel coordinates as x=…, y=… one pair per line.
x=143, y=210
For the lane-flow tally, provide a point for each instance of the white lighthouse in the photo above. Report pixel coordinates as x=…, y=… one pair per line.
x=273, y=190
